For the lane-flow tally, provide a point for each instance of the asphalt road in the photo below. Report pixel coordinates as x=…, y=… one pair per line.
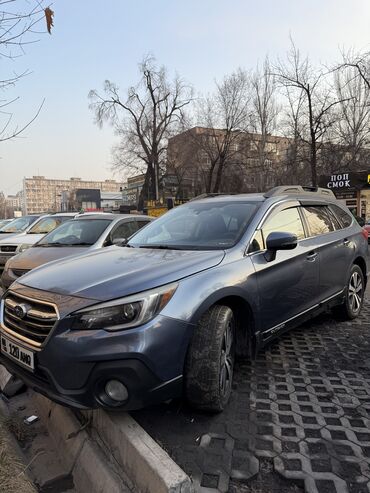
x=298, y=420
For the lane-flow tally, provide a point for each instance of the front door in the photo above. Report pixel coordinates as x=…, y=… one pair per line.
x=288, y=285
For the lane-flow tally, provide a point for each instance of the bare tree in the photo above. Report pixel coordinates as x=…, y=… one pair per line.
x=360, y=62
x=144, y=119
x=17, y=30
x=351, y=134
x=296, y=75
x=263, y=123
x=223, y=117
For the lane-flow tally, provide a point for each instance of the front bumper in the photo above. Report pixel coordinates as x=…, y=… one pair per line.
x=144, y=388
x=73, y=366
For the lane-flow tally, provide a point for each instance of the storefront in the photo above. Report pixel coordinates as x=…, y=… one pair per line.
x=353, y=189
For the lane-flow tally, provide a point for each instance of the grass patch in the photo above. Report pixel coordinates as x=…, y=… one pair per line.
x=12, y=476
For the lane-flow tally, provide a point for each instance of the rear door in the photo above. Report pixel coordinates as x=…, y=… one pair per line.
x=288, y=285
x=335, y=248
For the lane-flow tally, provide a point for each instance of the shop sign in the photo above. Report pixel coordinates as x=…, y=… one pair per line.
x=346, y=182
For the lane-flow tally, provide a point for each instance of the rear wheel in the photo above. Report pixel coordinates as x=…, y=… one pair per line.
x=354, y=295
x=210, y=361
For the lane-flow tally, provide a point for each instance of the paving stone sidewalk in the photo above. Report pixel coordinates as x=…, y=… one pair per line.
x=298, y=420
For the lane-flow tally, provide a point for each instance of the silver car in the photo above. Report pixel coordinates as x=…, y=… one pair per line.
x=10, y=246
x=17, y=225
x=84, y=233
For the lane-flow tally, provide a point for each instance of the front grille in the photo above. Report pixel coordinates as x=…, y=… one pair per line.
x=20, y=272
x=8, y=248
x=27, y=319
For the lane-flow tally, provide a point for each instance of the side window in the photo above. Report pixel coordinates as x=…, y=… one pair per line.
x=334, y=219
x=318, y=220
x=257, y=243
x=344, y=217
x=123, y=230
x=288, y=221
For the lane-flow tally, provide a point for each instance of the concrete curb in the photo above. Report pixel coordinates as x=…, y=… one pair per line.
x=127, y=459
x=91, y=469
x=144, y=461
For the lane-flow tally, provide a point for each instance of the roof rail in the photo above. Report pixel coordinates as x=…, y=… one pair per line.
x=209, y=195
x=298, y=190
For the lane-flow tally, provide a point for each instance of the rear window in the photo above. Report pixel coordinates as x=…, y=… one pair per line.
x=345, y=218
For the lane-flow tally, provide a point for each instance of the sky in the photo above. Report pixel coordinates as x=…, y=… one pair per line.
x=202, y=40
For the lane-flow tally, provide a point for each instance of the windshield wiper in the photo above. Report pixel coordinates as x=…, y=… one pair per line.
x=162, y=247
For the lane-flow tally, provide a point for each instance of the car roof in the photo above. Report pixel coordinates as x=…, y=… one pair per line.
x=109, y=215
x=285, y=192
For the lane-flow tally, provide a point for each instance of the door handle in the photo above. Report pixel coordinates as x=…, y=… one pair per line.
x=311, y=257
x=346, y=242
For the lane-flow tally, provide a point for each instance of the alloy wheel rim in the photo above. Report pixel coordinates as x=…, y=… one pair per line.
x=227, y=359
x=355, y=292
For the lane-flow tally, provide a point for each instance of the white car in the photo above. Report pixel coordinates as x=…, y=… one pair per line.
x=18, y=243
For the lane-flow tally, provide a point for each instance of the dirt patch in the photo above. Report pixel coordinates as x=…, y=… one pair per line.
x=13, y=478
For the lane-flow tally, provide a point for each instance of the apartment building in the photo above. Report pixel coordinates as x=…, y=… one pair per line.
x=253, y=160
x=14, y=201
x=42, y=194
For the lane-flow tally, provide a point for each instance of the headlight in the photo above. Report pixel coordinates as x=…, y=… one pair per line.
x=126, y=312
x=23, y=247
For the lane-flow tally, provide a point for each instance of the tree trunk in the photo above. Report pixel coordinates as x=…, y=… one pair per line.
x=220, y=169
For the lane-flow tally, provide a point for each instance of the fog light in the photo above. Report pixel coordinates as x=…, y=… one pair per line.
x=116, y=390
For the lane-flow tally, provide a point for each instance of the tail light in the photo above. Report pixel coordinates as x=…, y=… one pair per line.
x=365, y=233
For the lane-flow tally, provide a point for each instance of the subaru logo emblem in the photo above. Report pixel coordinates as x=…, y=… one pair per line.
x=20, y=311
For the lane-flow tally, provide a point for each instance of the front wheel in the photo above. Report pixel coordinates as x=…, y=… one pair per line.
x=210, y=360
x=354, y=295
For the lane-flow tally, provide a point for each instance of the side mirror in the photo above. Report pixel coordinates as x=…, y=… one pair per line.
x=279, y=241
x=119, y=241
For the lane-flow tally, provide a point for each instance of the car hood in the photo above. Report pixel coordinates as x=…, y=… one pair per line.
x=22, y=238
x=9, y=236
x=36, y=256
x=115, y=272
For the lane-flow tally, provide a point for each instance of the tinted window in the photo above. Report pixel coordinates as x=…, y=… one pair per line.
x=124, y=230
x=318, y=220
x=288, y=221
x=76, y=233
x=198, y=225
x=48, y=224
x=344, y=217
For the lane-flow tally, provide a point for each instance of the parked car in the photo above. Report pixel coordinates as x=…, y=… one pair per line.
x=20, y=242
x=17, y=226
x=86, y=232
x=124, y=327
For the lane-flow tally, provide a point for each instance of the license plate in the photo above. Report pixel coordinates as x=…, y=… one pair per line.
x=21, y=355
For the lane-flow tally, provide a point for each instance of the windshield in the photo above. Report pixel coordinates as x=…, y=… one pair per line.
x=48, y=224
x=18, y=225
x=83, y=232
x=198, y=225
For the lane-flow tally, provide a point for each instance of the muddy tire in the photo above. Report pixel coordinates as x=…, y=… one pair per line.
x=210, y=360
x=354, y=295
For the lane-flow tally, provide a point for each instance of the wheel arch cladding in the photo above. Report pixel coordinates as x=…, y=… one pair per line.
x=244, y=322
x=362, y=264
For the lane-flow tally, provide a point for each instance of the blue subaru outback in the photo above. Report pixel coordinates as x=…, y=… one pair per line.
x=166, y=313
